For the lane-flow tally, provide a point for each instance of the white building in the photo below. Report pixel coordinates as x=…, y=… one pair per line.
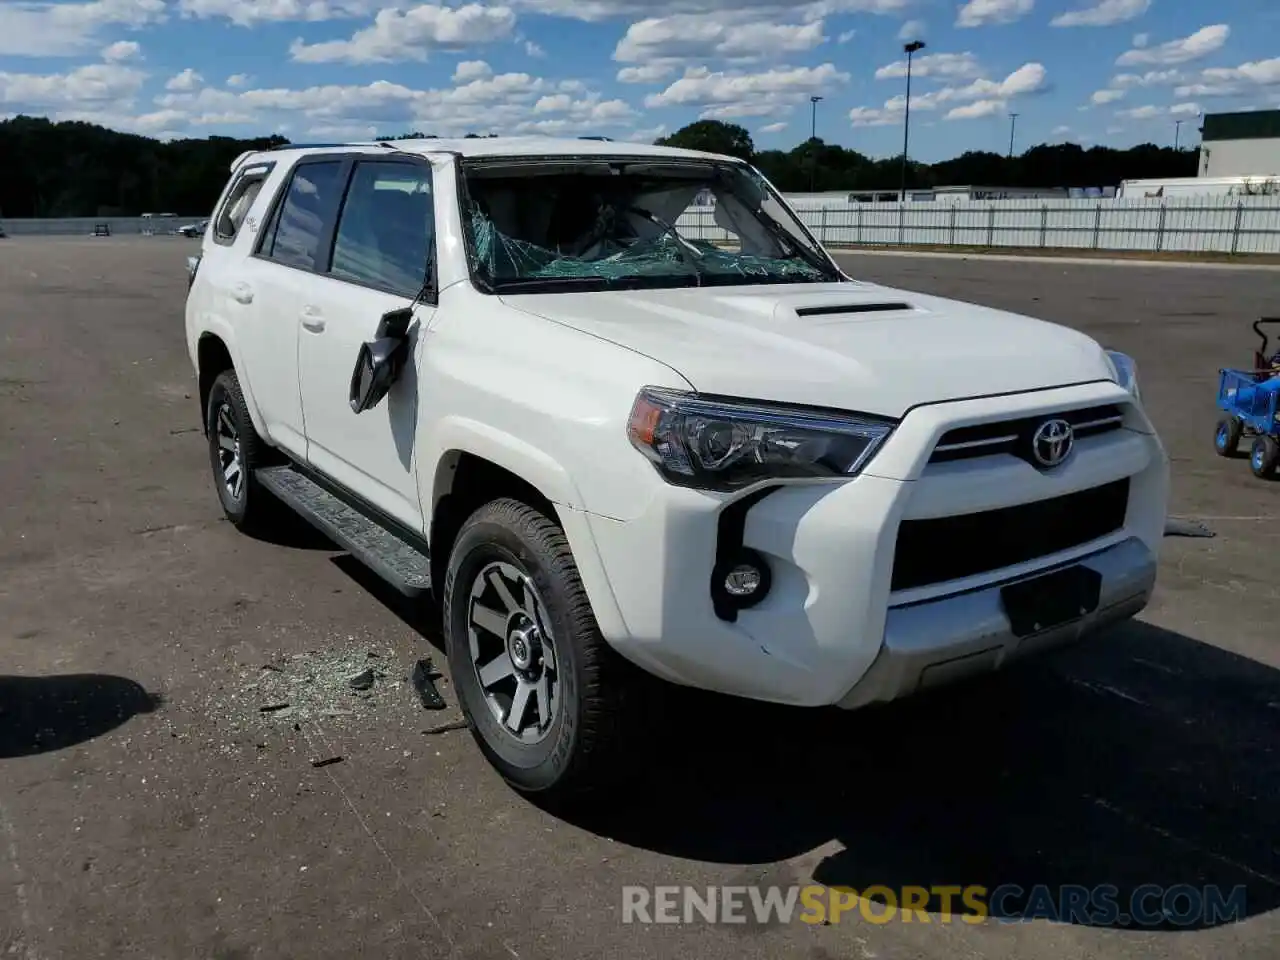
x=1245, y=144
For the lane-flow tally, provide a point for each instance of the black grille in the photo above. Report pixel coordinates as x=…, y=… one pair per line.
x=1014, y=436
x=948, y=548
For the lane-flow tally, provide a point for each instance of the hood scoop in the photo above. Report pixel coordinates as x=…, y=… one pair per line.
x=840, y=309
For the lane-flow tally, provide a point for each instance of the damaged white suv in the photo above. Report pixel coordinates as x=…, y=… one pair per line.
x=619, y=408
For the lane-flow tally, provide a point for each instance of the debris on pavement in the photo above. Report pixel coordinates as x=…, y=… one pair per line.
x=337, y=684
x=445, y=727
x=1179, y=527
x=326, y=761
x=423, y=680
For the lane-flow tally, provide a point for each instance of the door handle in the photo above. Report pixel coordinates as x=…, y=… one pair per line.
x=242, y=292
x=312, y=320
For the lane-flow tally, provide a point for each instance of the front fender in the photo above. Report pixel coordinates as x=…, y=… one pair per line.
x=526, y=461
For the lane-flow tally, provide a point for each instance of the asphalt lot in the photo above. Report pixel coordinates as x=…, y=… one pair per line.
x=148, y=808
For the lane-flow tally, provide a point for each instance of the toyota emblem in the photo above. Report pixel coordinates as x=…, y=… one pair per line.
x=1051, y=443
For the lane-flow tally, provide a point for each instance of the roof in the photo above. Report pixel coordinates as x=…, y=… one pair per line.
x=1244, y=125
x=531, y=146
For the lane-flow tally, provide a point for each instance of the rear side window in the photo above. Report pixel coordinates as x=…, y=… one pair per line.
x=240, y=198
x=296, y=237
x=386, y=233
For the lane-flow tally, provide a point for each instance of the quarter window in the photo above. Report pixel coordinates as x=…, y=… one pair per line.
x=386, y=233
x=238, y=204
x=310, y=202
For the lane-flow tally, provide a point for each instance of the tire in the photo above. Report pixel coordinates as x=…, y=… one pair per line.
x=1226, y=436
x=247, y=505
x=1264, y=457
x=590, y=690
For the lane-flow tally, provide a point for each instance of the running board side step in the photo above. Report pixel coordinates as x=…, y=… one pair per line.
x=392, y=558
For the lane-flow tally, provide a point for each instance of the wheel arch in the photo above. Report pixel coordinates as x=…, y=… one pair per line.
x=475, y=469
x=215, y=352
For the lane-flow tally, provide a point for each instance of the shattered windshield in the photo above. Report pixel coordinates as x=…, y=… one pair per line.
x=558, y=224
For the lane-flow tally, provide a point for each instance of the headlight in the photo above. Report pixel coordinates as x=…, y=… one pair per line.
x=1125, y=372
x=729, y=444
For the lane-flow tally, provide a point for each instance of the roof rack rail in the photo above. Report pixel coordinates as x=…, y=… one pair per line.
x=322, y=146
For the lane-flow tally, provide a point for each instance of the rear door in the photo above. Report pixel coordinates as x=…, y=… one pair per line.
x=279, y=280
x=383, y=254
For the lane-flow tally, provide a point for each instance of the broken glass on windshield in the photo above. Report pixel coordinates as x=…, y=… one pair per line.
x=669, y=223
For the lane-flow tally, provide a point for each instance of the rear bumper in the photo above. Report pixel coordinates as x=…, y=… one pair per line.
x=934, y=643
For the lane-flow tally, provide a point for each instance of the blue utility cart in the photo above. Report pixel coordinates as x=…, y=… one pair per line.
x=1248, y=400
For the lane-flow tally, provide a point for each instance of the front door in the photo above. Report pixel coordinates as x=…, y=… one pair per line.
x=383, y=250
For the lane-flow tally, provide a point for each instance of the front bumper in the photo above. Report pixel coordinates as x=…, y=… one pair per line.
x=931, y=644
x=833, y=629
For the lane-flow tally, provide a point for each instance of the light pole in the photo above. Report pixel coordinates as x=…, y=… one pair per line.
x=908, y=49
x=1013, y=126
x=1177, y=134
x=813, y=144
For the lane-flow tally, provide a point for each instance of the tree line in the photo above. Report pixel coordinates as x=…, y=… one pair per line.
x=77, y=169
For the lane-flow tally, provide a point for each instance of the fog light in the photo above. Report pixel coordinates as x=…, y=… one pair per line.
x=743, y=581
x=739, y=581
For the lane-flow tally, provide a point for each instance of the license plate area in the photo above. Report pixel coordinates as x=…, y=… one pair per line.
x=1051, y=600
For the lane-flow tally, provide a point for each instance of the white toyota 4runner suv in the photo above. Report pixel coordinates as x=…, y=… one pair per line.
x=618, y=408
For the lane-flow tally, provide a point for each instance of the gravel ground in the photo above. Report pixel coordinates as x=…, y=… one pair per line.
x=150, y=807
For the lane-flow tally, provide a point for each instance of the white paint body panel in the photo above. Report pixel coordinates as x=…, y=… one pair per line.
x=542, y=385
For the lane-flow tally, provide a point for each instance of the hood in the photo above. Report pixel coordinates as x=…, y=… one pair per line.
x=853, y=346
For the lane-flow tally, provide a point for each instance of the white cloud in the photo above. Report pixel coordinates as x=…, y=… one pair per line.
x=108, y=86
x=409, y=35
x=1152, y=78
x=958, y=66
x=980, y=13
x=774, y=127
x=1186, y=110
x=239, y=80
x=67, y=29
x=531, y=49
x=121, y=51
x=647, y=73
x=1200, y=44
x=846, y=37
x=1147, y=112
x=1141, y=40
x=1103, y=13
x=980, y=98
x=648, y=134
x=976, y=110
x=872, y=117
x=499, y=103
x=597, y=10
x=688, y=36
x=729, y=95
x=185, y=81
x=469, y=70
x=1233, y=81
x=1102, y=97
x=1061, y=131
x=247, y=13
x=912, y=30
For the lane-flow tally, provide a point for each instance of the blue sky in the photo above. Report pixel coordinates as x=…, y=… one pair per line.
x=1114, y=72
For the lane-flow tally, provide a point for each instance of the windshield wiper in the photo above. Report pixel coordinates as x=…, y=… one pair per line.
x=688, y=252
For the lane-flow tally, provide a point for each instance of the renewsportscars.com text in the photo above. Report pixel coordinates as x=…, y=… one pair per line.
x=1150, y=905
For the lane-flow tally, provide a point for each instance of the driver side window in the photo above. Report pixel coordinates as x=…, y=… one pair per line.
x=386, y=230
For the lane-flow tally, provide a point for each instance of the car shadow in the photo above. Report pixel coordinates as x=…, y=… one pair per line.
x=290, y=529
x=421, y=616
x=44, y=714
x=1140, y=758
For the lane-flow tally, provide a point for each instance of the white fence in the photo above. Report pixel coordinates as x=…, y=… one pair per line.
x=1200, y=225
